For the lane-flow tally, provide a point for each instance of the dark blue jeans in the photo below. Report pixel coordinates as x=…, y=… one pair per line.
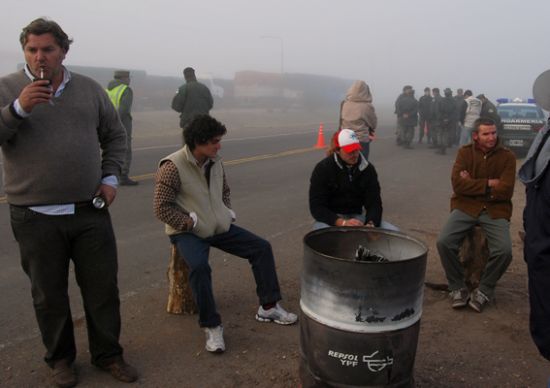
x=236, y=241
x=365, y=148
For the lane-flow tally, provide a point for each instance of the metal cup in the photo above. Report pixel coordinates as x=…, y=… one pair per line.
x=98, y=202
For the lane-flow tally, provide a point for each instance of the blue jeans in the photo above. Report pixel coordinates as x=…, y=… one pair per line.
x=466, y=135
x=365, y=148
x=236, y=241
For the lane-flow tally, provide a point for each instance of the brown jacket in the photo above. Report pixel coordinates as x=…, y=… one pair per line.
x=472, y=195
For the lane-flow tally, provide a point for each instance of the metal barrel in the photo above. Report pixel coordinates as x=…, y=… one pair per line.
x=360, y=320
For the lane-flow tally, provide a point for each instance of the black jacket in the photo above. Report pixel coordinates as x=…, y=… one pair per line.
x=407, y=105
x=425, y=107
x=334, y=189
x=489, y=111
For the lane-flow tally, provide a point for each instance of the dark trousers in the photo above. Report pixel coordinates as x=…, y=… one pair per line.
x=444, y=134
x=536, y=248
x=433, y=130
x=236, y=241
x=365, y=148
x=424, y=125
x=128, y=156
x=47, y=244
x=408, y=134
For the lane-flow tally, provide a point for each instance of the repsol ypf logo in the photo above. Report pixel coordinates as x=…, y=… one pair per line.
x=374, y=362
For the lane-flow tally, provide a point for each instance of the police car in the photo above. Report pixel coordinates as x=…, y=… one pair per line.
x=520, y=123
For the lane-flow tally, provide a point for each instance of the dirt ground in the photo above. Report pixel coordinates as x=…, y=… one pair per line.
x=456, y=348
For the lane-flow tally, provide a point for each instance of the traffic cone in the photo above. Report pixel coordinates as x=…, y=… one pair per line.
x=320, y=138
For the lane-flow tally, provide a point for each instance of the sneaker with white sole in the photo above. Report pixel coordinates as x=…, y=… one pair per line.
x=276, y=314
x=214, y=339
x=478, y=300
x=459, y=298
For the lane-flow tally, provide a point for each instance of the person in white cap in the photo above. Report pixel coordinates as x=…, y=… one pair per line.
x=344, y=188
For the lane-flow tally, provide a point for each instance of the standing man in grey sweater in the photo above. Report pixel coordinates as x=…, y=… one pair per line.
x=53, y=125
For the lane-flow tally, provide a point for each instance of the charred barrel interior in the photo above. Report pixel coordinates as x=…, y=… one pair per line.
x=361, y=302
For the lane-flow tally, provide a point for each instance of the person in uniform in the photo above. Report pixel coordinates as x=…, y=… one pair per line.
x=193, y=98
x=122, y=96
x=407, y=114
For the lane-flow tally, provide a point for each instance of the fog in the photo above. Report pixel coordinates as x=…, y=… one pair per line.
x=490, y=46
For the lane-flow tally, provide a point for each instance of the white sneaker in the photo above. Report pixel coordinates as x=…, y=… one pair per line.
x=214, y=339
x=276, y=314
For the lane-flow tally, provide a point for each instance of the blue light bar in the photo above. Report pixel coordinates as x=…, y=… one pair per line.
x=531, y=101
x=503, y=100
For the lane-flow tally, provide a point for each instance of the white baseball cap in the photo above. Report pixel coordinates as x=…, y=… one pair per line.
x=348, y=141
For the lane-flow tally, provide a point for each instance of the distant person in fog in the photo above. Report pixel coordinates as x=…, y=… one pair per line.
x=424, y=111
x=489, y=110
x=357, y=113
x=461, y=112
x=447, y=121
x=407, y=114
x=435, y=120
x=121, y=95
x=193, y=98
x=472, y=113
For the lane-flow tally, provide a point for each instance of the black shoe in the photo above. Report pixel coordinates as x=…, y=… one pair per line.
x=128, y=182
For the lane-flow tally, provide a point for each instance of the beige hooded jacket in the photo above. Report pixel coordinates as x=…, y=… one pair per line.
x=357, y=111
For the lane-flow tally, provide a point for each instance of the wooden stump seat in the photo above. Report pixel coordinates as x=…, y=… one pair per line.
x=180, y=297
x=474, y=254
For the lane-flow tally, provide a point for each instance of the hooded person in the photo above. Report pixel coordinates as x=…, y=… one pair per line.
x=357, y=113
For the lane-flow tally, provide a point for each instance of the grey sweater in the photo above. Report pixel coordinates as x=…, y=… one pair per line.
x=60, y=153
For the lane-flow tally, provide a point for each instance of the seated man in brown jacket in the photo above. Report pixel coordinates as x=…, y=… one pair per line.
x=483, y=180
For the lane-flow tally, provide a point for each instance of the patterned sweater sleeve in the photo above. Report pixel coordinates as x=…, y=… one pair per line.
x=226, y=192
x=167, y=187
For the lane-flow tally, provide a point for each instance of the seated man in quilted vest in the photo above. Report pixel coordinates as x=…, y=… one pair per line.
x=192, y=199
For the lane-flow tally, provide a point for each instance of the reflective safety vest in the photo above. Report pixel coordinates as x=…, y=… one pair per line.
x=115, y=94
